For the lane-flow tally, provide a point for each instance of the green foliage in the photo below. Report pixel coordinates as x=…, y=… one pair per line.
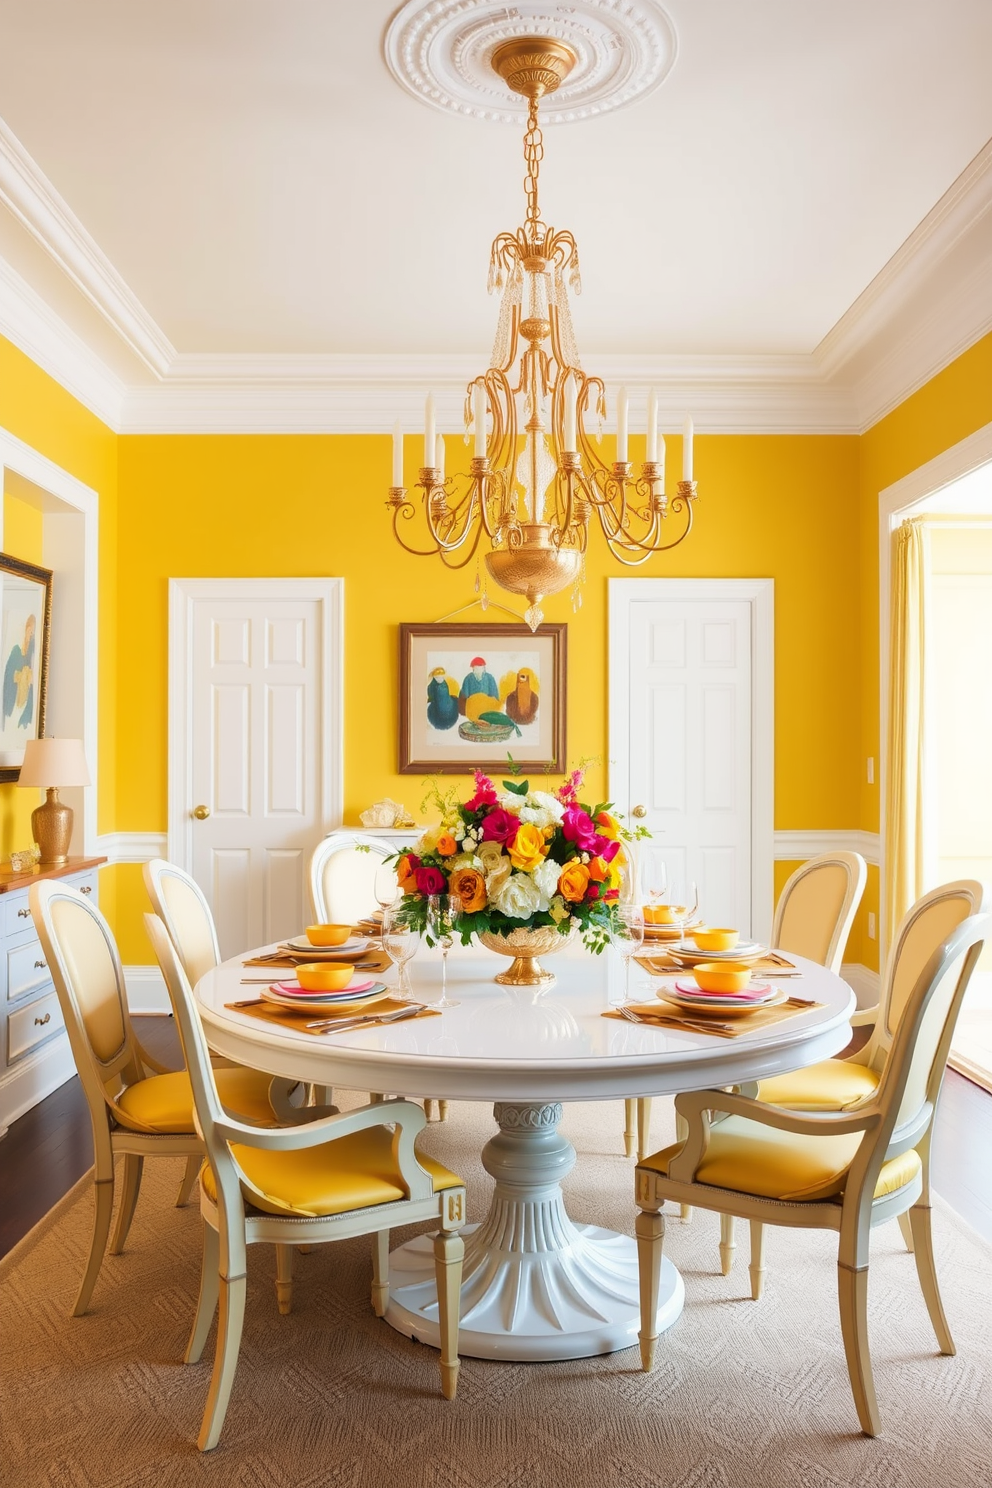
x=518, y=789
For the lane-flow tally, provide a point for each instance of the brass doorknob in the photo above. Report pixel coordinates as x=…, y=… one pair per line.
x=201, y=813
x=639, y=811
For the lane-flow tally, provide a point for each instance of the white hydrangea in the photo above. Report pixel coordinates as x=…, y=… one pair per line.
x=546, y=877
x=518, y=898
x=458, y=830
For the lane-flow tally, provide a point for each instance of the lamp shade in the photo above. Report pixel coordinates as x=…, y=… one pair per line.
x=55, y=762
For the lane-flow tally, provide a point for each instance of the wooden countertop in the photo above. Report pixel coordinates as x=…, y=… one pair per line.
x=9, y=880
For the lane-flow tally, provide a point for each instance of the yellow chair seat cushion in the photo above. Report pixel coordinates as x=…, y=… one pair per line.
x=832, y=1085
x=756, y=1159
x=164, y=1103
x=353, y=1172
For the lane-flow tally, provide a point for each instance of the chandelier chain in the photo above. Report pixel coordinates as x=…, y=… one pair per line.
x=533, y=155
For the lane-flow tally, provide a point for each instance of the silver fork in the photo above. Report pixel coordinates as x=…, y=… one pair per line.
x=326, y=1024
x=707, y=1027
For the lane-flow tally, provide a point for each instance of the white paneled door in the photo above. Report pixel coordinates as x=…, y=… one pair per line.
x=255, y=745
x=690, y=736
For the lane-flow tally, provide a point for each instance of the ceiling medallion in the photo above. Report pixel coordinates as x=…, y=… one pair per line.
x=537, y=482
x=441, y=51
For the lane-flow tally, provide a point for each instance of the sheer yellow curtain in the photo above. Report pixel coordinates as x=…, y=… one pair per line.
x=905, y=816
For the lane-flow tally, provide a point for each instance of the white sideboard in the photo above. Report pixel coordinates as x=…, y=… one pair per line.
x=35, y=1057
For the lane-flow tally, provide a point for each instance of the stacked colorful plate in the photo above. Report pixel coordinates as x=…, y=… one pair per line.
x=744, y=951
x=688, y=994
x=354, y=943
x=356, y=996
x=668, y=932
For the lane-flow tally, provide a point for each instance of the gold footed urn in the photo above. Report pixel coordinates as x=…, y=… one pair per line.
x=525, y=945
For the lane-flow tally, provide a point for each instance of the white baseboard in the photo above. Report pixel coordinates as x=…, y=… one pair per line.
x=31, y=1079
x=146, y=990
x=801, y=846
x=864, y=983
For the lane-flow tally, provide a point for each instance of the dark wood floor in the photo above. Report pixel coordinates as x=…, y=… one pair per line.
x=50, y=1147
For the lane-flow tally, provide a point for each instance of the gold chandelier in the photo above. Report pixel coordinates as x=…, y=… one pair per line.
x=534, y=499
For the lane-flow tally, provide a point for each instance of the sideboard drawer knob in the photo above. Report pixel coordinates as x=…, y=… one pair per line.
x=86, y=889
x=23, y=914
x=40, y=1022
x=41, y=965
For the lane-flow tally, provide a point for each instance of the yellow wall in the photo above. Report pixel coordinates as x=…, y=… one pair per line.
x=34, y=408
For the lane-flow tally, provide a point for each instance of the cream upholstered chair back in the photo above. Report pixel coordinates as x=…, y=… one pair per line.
x=926, y=925
x=89, y=980
x=342, y=876
x=816, y=908
x=182, y=906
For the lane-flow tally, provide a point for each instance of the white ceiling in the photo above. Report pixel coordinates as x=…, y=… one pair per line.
x=261, y=185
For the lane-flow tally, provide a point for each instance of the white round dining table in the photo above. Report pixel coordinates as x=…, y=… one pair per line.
x=536, y=1284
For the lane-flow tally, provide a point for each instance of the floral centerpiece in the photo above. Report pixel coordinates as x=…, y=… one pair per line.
x=519, y=860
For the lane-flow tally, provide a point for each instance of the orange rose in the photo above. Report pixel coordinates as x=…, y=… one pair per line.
x=406, y=875
x=573, y=882
x=599, y=871
x=607, y=825
x=470, y=887
x=446, y=845
x=529, y=848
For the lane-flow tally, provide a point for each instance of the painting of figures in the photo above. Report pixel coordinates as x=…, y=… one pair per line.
x=472, y=694
x=25, y=619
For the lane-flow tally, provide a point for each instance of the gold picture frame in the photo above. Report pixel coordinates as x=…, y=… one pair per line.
x=25, y=641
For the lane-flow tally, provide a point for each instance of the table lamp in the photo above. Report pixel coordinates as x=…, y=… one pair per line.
x=52, y=763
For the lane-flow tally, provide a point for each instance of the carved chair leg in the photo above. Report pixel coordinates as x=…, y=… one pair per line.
x=442, y=1110
x=206, y=1304
x=906, y=1226
x=193, y=1165
x=428, y=1108
x=229, y=1326
x=756, y=1269
x=380, y=1272
x=643, y=1127
x=681, y=1133
x=285, y=1256
x=649, y=1228
x=852, y=1286
x=728, y=1243
x=926, y=1270
x=133, y=1165
x=103, y=1195
x=629, y=1121
x=449, y=1252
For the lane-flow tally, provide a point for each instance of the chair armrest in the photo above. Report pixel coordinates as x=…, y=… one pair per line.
x=695, y=1105
x=400, y=1113
x=864, y=1017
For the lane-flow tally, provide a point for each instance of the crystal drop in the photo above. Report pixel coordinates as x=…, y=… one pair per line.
x=533, y=615
x=484, y=601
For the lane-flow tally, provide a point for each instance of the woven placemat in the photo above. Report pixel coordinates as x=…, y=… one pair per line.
x=270, y=1012
x=373, y=959
x=668, y=1015
x=662, y=964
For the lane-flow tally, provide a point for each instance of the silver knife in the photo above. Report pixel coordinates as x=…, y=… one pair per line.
x=327, y=1025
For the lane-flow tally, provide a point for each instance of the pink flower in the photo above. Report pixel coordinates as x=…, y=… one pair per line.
x=577, y=827
x=485, y=793
x=568, y=793
x=430, y=881
x=500, y=826
x=605, y=848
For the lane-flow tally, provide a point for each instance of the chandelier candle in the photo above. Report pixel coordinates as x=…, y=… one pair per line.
x=536, y=478
x=397, y=455
x=687, y=448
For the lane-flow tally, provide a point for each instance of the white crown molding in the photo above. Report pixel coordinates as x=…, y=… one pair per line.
x=131, y=847
x=33, y=200
x=27, y=322
x=801, y=846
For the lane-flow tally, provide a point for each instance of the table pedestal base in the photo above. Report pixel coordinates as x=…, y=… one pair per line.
x=535, y=1285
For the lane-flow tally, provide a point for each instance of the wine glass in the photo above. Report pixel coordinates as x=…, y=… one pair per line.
x=385, y=886
x=683, y=901
x=400, y=941
x=655, y=881
x=442, y=916
x=627, y=936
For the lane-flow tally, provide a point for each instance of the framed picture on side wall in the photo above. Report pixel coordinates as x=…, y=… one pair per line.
x=471, y=694
x=25, y=637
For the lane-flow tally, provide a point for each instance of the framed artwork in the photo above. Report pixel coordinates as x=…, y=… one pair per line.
x=25, y=636
x=471, y=694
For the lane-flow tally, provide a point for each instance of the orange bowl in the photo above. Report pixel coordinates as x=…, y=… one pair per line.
x=715, y=976
x=708, y=939
x=317, y=976
x=658, y=914
x=328, y=935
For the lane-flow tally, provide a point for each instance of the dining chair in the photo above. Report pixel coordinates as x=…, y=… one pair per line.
x=343, y=1175
x=845, y=1171
x=813, y=918
x=182, y=907
x=842, y=1084
x=132, y=1112
x=343, y=869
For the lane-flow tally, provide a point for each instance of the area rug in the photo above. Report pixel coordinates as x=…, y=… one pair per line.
x=744, y=1393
